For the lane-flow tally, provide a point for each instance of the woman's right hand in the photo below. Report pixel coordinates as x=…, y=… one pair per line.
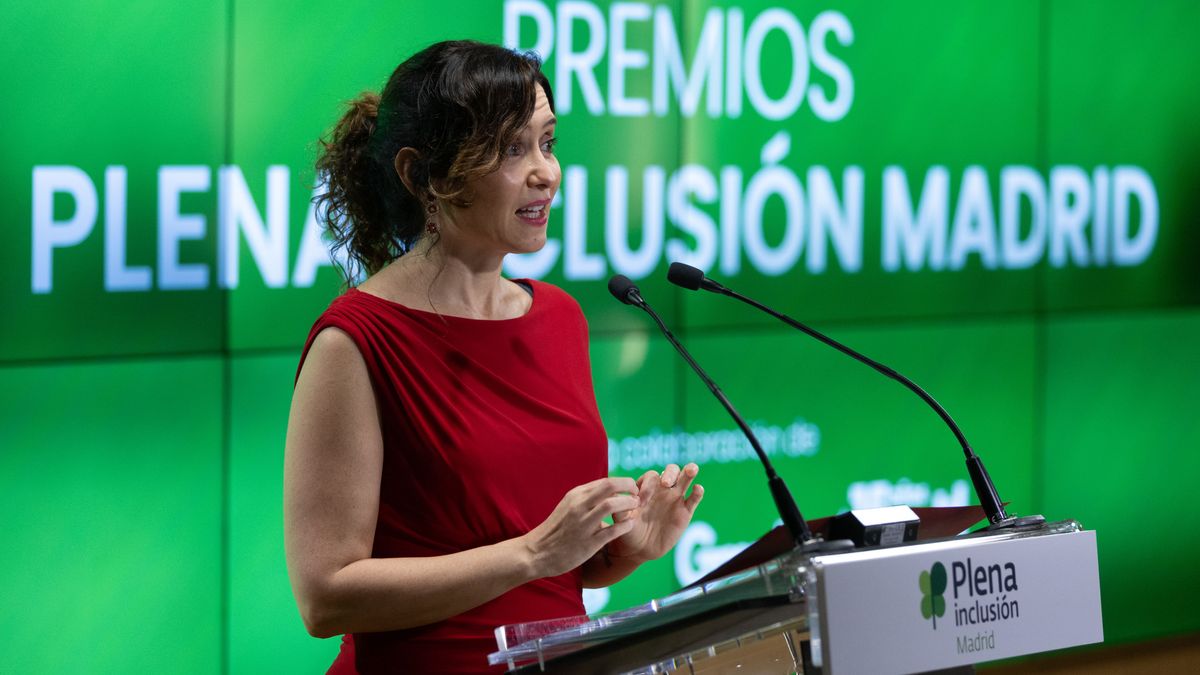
x=575, y=530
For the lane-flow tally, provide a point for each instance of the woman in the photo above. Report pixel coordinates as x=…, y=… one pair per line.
x=446, y=465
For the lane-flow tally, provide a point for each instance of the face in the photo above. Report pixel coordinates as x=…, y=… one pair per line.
x=510, y=206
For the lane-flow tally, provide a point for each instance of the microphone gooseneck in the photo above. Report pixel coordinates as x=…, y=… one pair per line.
x=624, y=290
x=689, y=277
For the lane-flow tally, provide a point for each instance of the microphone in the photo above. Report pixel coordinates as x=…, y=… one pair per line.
x=624, y=290
x=691, y=278
x=686, y=276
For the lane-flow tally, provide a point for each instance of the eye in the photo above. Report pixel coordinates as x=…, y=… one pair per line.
x=549, y=144
x=513, y=150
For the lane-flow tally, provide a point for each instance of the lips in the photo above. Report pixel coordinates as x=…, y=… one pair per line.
x=535, y=213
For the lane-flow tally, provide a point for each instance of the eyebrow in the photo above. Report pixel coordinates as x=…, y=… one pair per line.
x=550, y=122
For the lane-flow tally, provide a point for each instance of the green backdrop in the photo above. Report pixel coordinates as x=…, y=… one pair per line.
x=998, y=200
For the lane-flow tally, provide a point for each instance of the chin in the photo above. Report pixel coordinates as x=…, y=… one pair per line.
x=532, y=246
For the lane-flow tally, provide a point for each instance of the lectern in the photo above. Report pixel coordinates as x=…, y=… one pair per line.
x=906, y=608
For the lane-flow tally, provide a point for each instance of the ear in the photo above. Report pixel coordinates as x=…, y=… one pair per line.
x=403, y=164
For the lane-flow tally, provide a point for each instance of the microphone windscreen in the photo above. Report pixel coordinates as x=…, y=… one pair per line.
x=620, y=286
x=685, y=275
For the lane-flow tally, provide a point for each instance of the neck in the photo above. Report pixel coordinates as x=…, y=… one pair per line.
x=451, y=282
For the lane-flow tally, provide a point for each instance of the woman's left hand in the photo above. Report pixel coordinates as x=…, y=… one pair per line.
x=664, y=512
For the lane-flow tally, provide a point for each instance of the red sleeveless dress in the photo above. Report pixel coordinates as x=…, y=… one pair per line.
x=486, y=425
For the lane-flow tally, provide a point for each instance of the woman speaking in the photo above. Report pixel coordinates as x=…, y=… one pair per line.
x=446, y=466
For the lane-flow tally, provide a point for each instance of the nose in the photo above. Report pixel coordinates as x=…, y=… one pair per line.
x=544, y=172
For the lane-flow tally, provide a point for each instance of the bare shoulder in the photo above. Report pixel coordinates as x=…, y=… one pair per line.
x=332, y=353
x=334, y=387
x=333, y=342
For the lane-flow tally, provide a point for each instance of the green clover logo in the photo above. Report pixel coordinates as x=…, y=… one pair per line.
x=933, y=585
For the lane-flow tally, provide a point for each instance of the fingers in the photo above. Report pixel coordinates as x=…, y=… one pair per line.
x=614, y=531
x=591, y=494
x=620, y=516
x=673, y=476
x=611, y=505
x=686, y=477
x=622, y=497
x=669, y=476
x=647, y=482
x=610, y=485
x=694, y=500
x=621, y=484
x=576, y=528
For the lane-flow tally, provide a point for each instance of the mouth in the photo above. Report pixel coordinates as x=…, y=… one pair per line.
x=535, y=213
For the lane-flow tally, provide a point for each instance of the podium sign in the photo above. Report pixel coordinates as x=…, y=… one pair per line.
x=903, y=609
x=952, y=603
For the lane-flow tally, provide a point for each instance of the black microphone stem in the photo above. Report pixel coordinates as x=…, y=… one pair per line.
x=985, y=489
x=716, y=391
x=624, y=290
x=937, y=407
x=789, y=512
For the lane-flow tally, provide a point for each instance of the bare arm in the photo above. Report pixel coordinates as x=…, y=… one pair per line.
x=333, y=462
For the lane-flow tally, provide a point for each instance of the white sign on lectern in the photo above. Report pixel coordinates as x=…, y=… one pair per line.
x=954, y=603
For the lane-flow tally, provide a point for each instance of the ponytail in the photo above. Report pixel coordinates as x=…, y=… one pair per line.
x=359, y=203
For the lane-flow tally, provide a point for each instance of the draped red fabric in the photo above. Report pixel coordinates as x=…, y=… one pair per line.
x=486, y=425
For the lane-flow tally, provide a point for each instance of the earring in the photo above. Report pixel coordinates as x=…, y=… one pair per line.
x=431, y=210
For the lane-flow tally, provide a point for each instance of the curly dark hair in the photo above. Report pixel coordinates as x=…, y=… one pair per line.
x=458, y=104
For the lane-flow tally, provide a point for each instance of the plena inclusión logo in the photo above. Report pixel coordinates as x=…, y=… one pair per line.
x=933, y=589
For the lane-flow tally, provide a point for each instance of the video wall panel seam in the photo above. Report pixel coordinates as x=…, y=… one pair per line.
x=227, y=364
